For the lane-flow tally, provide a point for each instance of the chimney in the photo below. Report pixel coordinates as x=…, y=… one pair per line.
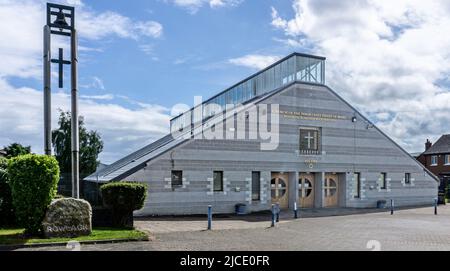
x=428, y=145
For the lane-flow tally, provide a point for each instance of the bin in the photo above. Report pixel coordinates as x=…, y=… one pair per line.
x=240, y=209
x=381, y=204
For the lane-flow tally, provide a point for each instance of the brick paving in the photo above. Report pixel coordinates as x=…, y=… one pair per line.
x=228, y=222
x=411, y=229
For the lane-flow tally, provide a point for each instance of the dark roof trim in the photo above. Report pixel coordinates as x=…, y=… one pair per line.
x=143, y=165
x=378, y=129
x=270, y=94
x=254, y=75
x=366, y=119
x=126, y=160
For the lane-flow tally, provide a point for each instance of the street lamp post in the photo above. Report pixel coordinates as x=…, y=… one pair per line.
x=57, y=24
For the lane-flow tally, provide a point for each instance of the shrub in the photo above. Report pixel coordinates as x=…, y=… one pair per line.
x=34, y=179
x=6, y=207
x=124, y=198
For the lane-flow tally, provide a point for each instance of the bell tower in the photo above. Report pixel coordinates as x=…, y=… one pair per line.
x=61, y=21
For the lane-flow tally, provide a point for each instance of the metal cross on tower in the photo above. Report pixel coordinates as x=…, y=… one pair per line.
x=57, y=24
x=61, y=62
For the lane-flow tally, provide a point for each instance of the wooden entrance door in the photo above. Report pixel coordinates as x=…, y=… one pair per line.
x=279, y=189
x=306, y=190
x=330, y=190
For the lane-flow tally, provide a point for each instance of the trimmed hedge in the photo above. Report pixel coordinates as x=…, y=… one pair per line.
x=6, y=206
x=34, y=179
x=124, y=198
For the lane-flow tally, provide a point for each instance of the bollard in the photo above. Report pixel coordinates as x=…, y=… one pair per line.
x=209, y=217
x=278, y=212
x=392, y=206
x=295, y=210
x=273, y=216
x=435, y=206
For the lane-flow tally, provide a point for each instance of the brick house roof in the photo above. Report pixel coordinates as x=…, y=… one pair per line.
x=441, y=146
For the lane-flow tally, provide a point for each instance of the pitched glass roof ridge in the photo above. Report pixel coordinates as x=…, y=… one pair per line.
x=294, y=67
x=258, y=73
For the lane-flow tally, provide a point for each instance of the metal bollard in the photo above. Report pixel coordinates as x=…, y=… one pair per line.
x=273, y=216
x=295, y=210
x=209, y=217
x=278, y=212
x=392, y=206
x=435, y=206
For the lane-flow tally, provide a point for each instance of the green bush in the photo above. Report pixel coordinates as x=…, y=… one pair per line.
x=6, y=207
x=124, y=198
x=34, y=179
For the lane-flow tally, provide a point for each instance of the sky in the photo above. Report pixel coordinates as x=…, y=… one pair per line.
x=142, y=61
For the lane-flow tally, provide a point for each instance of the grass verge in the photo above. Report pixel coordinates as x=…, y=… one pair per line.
x=16, y=236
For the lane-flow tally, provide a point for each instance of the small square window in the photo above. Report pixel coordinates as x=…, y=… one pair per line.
x=177, y=178
x=218, y=181
x=357, y=185
x=434, y=160
x=383, y=180
x=447, y=159
x=407, y=178
x=309, y=140
x=256, y=185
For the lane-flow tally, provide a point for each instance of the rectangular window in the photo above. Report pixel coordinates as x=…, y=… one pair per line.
x=357, y=185
x=177, y=178
x=383, y=182
x=447, y=159
x=256, y=188
x=218, y=181
x=407, y=178
x=309, y=140
x=434, y=160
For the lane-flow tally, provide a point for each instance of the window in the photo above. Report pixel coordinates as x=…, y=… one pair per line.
x=383, y=180
x=407, y=178
x=177, y=178
x=218, y=181
x=256, y=188
x=434, y=160
x=309, y=140
x=447, y=159
x=357, y=185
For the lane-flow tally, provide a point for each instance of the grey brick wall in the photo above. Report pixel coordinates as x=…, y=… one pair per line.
x=347, y=147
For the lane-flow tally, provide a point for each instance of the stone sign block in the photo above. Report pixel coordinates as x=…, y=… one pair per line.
x=68, y=217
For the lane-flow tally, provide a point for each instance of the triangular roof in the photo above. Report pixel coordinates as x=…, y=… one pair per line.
x=441, y=146
x=137, y=160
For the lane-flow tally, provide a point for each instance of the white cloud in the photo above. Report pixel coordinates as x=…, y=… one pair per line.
x=98, y=97
x=194, y=5
x=150, y=29
x=254, y=61
x=387, y=57
x=99, y=25
x=21, y=24
x=122, y=129
x=95, y=83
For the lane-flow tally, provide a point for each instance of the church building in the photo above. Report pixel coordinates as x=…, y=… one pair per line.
x=279, y=136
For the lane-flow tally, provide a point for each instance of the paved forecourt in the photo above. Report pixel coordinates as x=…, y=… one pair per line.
x=411, y=229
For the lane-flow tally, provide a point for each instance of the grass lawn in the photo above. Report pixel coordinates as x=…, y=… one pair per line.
x=16, y=237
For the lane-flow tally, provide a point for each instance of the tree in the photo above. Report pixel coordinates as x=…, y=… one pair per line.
x=33, y=180
x=7, y=217
x=16, y=149
x=91, y=146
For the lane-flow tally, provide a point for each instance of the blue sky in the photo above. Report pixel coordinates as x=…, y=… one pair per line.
x=140, y=58
x=189, y=58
